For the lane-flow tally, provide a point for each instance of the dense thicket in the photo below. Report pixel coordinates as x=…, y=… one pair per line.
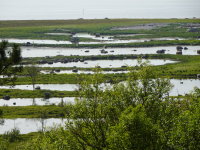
x=136, y=114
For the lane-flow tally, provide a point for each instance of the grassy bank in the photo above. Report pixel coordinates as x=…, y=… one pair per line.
x=152, y=43
x=187, y=66
x=34, y=29
x=46, y=111
x=21, y=138
x=16, y=93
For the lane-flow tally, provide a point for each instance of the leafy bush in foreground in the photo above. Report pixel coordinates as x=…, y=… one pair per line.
x=137, y=114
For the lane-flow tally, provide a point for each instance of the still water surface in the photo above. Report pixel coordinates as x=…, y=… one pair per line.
x=180, y=86
x=29, y=125
x=49, y=51
x=35, y=101
x=98, y=42
x=107, y=63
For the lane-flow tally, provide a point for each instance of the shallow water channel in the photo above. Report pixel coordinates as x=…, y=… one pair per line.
x=82, y=71
x=180, y=86
x=29, y=125
x=86, y=35
x=97, y=42
x=50, y=51
x=107, y=63
x=35, y=101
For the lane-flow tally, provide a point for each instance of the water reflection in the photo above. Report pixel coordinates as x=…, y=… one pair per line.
x=98, y=42
x=82, y=71
x=29, y=125
x=50, y=51
x=184, y=86
x=58, y=87
x=85, y=35
x=107, y=63
x=180, y=86
x=35, y=101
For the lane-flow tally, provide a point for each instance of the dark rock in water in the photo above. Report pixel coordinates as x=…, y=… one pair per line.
x=114, y=69
x=87, y=51
x=198, y=51
x=179, y=47
x=198, y=75
x=7, y=97
x=161, y=51
x=37, y=87
x=103, y=51
x=65, y=61
x=123, y=66
x=179, y=50
x=74, y=70
x=47, y=95
x=57, y=70
x=97, y=34
x=50, y=62
x=14, y=103
x=185, y=48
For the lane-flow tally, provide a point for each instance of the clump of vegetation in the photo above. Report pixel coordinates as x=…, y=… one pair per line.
x=135, y=115
x=12, y=135
x=9, y=58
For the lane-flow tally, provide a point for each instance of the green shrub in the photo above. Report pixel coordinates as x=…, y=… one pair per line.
x=12, y=135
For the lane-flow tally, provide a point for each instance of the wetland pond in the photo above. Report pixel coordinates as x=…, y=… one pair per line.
x=181, y=87
x=29, y=125
x=50, y=51
x=35, y=101
x=97, y=42
x=82, y=71
x=25, y=126
x=106, y=63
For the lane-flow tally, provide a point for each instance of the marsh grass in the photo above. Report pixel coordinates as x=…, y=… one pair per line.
x=53, y=111
x=21, y=138
x=186, y=66
x=16, y=93
x=151, y=43
x=34, y=29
